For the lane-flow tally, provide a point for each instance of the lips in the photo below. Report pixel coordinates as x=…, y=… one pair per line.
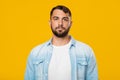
x=59, y=30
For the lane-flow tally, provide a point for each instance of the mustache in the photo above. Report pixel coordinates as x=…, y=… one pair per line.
x=60, y=26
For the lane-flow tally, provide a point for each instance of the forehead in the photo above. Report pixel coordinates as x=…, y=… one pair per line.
x=58, y=12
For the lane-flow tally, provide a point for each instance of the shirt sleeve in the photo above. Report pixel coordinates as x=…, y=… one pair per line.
x=91, y=72
x=29, y=73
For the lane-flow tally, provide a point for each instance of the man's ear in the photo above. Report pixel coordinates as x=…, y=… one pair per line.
x=50, y=22
x=70, y=24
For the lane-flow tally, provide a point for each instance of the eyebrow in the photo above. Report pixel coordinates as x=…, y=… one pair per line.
x=55, y=16
x=65, y=17
x=58, y=17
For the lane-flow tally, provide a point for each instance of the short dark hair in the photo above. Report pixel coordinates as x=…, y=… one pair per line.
x=63, y=8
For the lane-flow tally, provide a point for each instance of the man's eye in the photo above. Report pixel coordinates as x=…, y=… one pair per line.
x=56, y=18
x=66, y=19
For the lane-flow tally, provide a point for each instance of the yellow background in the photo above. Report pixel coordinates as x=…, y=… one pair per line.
x=25, y=24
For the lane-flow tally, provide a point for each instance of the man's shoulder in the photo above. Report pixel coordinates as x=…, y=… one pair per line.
x=83, y=48
x=38, y=49
x=81, y=44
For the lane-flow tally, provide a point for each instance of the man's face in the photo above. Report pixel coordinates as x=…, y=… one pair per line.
x=60, y=23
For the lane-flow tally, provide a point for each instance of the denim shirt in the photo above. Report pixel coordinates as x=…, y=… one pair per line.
x=83, y=62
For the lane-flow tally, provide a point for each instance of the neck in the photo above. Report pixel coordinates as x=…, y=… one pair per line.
x=60, y=41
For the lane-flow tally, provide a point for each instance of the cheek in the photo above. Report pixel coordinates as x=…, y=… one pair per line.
x=54, y=24
x=67, y=24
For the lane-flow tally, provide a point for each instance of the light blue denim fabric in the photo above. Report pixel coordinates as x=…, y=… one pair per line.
x=83, y=62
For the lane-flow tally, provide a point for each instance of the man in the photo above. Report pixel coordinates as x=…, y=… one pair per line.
x=62, y=57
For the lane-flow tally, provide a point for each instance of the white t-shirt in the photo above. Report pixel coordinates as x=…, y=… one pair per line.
x=60, y=65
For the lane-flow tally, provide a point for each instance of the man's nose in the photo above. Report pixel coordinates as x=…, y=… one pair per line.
x=60, y=22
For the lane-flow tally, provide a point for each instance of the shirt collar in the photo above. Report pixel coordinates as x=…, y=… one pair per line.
x=72, y=42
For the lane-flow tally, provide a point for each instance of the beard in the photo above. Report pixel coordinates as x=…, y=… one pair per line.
x=60, y=33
